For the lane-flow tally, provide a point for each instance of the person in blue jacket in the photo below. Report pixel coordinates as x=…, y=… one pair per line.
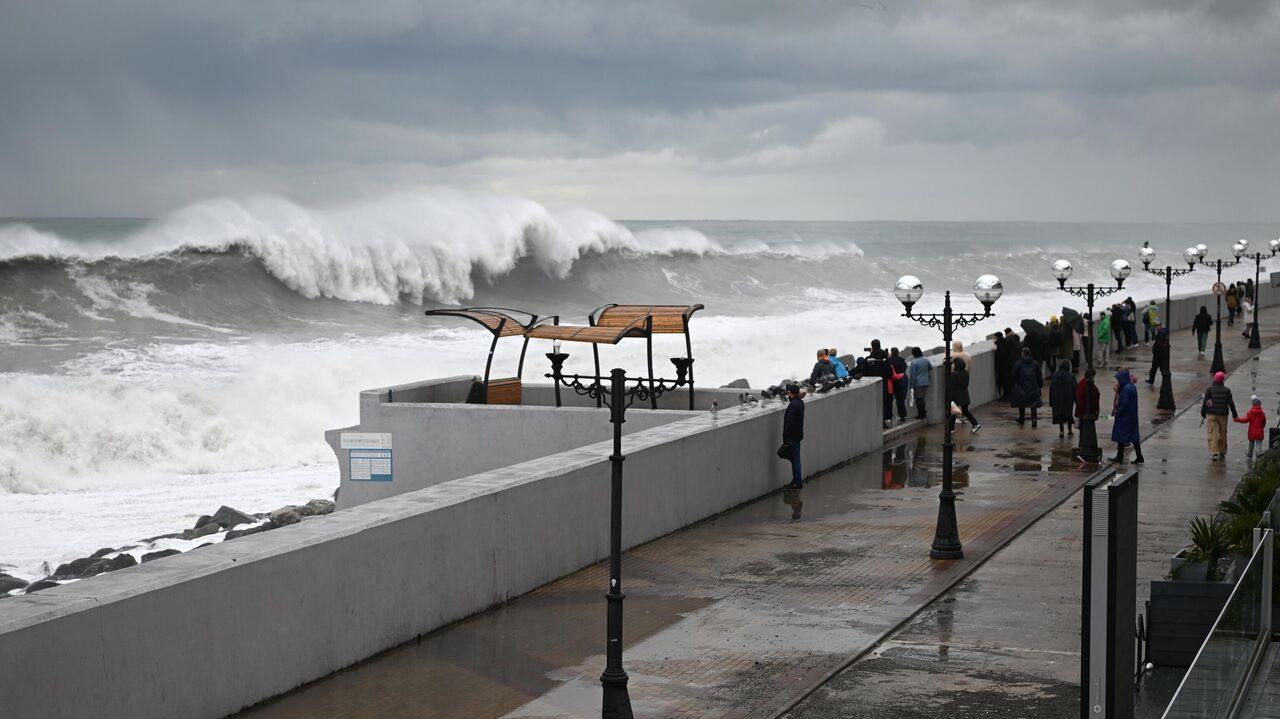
x=833, y=356
x=1124, y=430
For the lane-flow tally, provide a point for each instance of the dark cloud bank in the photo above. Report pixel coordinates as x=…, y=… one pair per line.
x=1004, y=109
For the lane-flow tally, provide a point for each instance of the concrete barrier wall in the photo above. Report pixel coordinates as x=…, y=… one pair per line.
x=206, y=633
x=434, y=443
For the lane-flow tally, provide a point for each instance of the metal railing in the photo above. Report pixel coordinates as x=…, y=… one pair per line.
x=1219, y=677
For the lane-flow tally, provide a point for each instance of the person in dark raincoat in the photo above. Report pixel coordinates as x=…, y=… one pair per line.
x=959, y=391
x=1159, y=353
x=1062, y=398
x=1124, y=430
x=1012, y=351
x=1027, y=383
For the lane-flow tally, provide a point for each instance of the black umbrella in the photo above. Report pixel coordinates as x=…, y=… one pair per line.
x=1035, y=328
x=1072, y=319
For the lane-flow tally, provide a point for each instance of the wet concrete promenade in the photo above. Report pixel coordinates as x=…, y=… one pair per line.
x=747, y=613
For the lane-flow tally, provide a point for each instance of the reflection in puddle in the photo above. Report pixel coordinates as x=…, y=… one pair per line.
x=794, y=499
x=911, y=464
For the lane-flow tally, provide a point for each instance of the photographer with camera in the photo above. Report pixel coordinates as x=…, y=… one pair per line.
x=878, y=366
x=793, y=433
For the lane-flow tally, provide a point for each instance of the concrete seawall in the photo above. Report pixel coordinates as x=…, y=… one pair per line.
x=206, y=633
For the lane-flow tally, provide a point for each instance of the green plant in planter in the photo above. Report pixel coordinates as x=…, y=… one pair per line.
x=1210, y=543
x=1244, y=511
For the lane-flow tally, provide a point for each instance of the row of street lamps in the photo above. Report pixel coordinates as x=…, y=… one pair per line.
x=621, y=391
x=988, y=288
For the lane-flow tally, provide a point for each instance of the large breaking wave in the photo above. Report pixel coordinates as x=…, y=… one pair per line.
x=423, y=246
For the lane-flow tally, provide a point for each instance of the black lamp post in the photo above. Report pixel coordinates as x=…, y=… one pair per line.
x=987, y=289
x=1089, y=451
x=1255, y=339
x=617, y=396
x=1219, y=363
x=1191, y=256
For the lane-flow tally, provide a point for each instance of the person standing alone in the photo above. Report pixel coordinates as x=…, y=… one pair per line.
x=793, y=433
x=1104, y=339
x=1200, y=327
x=1214, y=408
x=1062, y=398
x=1027, y=383
x=918, y=378
x=1124, y=429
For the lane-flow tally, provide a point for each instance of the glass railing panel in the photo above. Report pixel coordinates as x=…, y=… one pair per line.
x=1214, y=678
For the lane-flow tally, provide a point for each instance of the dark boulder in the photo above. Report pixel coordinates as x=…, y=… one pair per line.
x=203, y=530
x=8, y=583
x=740, y=383
x=316, y=507
x=40, y=584
x=73, y=569
x=102, y=566
x=102, y=553
x=157, y=555
x=237, y=533
x=226, y=517
x=203, y=520
x=286, y=516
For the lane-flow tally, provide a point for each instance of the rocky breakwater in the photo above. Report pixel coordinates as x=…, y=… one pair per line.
x=221, y=526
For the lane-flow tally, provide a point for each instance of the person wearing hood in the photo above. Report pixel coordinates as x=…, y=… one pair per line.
x=959, y=391
x=1233, y=303
x=1200, y=328
x=1062, y=398
x=1104, y=339
x=1257, y=421
x=918, y=379
x=1027, y=383
x=1124, y=429
x=1159, y=354
x=833, y=355
x=1215, y=406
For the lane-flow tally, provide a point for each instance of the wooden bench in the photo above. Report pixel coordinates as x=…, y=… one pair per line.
x=508, y=390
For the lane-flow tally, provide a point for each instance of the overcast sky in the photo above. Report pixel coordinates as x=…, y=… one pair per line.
x=825, y=109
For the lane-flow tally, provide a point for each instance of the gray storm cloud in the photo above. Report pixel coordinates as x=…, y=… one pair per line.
x=1005, y=109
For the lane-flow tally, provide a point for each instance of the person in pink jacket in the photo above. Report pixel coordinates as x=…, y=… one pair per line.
x=1257, y=421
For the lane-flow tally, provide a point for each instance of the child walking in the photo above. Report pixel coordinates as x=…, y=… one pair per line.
x=1257, y=421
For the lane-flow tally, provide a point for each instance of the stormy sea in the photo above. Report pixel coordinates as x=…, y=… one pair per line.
x=154, y=369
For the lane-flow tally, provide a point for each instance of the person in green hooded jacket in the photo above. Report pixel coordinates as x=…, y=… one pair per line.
x=1104, y=339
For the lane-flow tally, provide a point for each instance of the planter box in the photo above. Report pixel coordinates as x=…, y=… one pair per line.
x=1182, y=612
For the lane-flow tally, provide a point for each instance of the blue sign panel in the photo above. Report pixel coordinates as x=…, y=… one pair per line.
x=370, y=465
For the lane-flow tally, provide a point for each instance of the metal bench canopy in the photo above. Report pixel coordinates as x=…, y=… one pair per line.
x=612, y=323
x=501, y=322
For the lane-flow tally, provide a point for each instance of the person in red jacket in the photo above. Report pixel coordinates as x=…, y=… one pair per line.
x=1257, y=421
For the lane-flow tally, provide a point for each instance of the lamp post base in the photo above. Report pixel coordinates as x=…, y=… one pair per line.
x=1166, y=393
x=1089, y=452
x=1255, y=341
x=1218, y=364
x=946, y=538
x=617, y=702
